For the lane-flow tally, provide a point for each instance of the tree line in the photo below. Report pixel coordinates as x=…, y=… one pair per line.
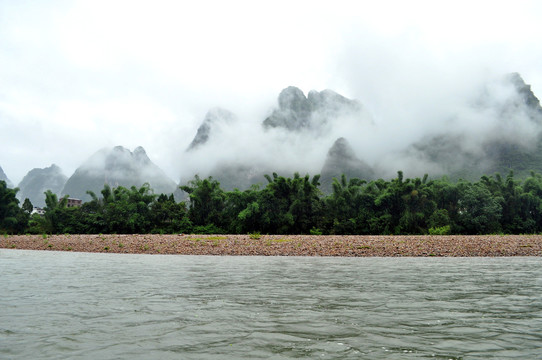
x=295, y=205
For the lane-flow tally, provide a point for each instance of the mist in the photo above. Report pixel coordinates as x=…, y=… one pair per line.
x=492, y=110
x=78, y=77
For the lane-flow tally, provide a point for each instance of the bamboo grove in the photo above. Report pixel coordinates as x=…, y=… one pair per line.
x=295, y=205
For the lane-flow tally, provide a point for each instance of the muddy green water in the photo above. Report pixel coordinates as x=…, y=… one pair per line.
x=60, y=305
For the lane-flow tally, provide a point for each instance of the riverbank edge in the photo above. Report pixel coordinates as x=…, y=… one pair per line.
x=285, y=245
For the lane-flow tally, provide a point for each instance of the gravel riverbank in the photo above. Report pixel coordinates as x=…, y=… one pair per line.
x=285, y=245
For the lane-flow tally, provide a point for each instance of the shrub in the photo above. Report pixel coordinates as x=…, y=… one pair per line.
x=315, y=231
x=441, y=230
x=208, y=230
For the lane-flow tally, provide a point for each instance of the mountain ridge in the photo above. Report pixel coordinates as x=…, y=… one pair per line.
x=5, y=178
x=117, y=166
x=499, y=130
x=37, y=181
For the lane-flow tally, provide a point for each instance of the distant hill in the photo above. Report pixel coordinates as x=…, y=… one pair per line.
x=498, y=130
x=511, y=138
x=214, y=118
x=495, y=128
x=304, y=117
x=117, y=167
x=297, y=112
x=4, y=177
x=37, y=181
x=341, y=159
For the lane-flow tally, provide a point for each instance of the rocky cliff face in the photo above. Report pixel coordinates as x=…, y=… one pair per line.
x=293, y=113
x=214, y=117
x=297, y=112
x=117, y=167
x=37, y=181
x=526, y=96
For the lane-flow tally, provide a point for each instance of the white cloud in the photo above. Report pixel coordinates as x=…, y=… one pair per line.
x=140, y=73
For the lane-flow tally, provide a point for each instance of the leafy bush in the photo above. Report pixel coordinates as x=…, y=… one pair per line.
x=315, y=231
x=441, y=230
x=208, y=229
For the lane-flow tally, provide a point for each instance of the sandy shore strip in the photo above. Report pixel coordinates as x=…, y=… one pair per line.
x=284, y=245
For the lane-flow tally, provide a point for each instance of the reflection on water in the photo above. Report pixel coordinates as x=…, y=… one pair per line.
x=110, y=306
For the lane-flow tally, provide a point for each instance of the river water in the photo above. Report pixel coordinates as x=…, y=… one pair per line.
x=60, y=305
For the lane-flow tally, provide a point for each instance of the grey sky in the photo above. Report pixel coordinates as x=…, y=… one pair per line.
x=80, y=75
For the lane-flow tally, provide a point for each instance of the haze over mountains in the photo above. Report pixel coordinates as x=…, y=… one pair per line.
x=37, y=181
x=498, y=130
x=505, y=134
x=4, y=177
x=296, y=136
x=117, y=167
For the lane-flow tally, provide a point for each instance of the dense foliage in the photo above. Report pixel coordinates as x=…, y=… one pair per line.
x=296, y=206
x=12, y=218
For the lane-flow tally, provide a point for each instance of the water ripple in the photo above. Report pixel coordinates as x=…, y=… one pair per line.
x=88, y=306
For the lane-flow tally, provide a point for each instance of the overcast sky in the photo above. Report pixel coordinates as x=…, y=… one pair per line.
x=76, y=76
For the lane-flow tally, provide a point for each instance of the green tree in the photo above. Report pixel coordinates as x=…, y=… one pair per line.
x=307, y=205
x=243, y=211
x=92, y=213
x=127, y=211
x=54, y=214
x=54, y=219
x=27, y=206
x=479, y=212
x=419, y=205
x=207, y=202
x=12, y=218
x=288, y=205
x=168, y=216
x=349, y=207
x=530, y=210
x=446, y=195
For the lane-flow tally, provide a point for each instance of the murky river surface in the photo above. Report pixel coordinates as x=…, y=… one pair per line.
x=60, y=305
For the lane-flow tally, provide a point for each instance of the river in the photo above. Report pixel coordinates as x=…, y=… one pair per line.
x=60, y=305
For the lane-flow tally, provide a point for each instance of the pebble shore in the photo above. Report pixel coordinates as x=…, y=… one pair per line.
x=284, y=245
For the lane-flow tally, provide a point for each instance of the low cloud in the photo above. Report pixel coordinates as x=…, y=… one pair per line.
x=81, y=76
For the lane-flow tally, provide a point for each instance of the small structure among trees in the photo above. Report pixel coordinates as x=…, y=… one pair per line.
x=73, y=202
